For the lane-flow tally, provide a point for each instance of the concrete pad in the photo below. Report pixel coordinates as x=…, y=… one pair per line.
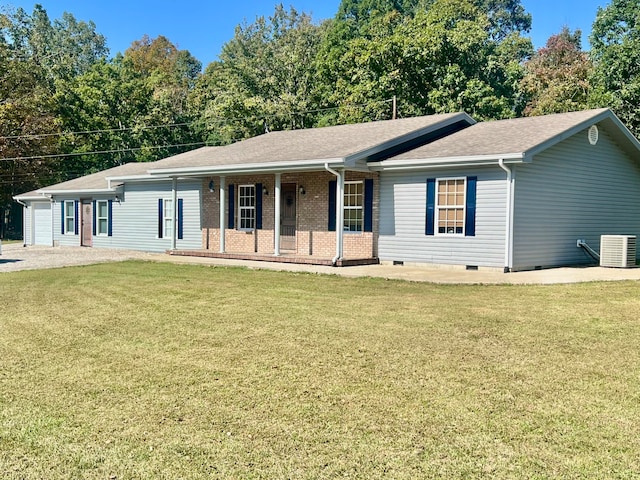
x=15, y=257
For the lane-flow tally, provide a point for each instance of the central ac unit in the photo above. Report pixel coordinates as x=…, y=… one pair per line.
x=618, y=251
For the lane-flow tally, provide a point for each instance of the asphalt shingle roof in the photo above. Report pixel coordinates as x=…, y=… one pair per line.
x=322, y=143
x=518, y=135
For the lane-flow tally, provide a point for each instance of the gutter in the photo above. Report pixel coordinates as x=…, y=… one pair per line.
x=248, y=168
x=339, y=212
x=508, y=235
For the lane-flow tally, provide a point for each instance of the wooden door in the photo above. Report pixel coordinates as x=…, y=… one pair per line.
x=86, y=218
x=288, y=217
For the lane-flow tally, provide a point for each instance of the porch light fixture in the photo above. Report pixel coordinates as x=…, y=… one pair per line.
x=117, y=199
x=211, y=186
x=302, y=190
x=265, y=191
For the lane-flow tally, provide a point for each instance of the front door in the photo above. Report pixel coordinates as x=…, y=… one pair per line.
x=288, y=217
x=87, y=223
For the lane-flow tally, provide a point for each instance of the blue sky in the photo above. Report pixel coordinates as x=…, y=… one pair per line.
x=203, y=26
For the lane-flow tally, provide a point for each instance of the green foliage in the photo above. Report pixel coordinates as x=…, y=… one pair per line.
x=615, y=51
x=442, y=56
x=265, y=79
x=557, y=77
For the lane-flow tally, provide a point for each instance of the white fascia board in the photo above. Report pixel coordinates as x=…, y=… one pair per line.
x=250, y=168
x=137, y=178
x=87, y=191
x=447, y=162
x=351, y=160
x=32, y=198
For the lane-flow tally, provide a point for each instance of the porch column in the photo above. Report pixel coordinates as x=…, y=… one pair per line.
x=223, y=188
x=339, y=215
x=174, y=212
x=276, y=222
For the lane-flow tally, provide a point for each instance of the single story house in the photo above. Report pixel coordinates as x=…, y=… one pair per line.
x=441, y=189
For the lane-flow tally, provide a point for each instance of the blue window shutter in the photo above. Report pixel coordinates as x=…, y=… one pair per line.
x=333, y=186
x=76, y=212
x=431, y=206
x=180, y=218
x=232, y=201
x=62, y=217
x=258, y=206
x=160, y=219
x=470, y=220
x=368, y=205
x=94, y=218
x=110, y=219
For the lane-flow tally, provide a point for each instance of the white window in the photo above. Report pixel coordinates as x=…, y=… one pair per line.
x=353, y=201
x=167, y=220
x=450, y=206
x=246, y=207
x=70, y=217
x=102, y=217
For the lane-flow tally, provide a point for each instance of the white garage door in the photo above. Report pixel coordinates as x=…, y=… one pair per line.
x=42, y=234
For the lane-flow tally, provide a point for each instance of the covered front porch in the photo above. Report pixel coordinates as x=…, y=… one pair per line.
x=291, y=217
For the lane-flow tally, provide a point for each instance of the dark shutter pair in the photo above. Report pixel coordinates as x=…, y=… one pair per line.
x=368, y=205
x=470, y=219
x=232, y=214
x=109, y=218
x=180, y=218
x=76, y=227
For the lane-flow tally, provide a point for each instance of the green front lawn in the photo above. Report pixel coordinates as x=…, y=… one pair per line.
x=144, y=370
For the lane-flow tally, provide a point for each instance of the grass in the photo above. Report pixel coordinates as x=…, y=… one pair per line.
x=142, y=370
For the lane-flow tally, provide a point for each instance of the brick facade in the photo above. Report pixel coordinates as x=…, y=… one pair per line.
x=312, y=217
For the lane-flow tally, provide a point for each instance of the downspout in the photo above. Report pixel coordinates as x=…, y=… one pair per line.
x=339, y=212
x=24, y=221
x=508, y=236
x=174, y=212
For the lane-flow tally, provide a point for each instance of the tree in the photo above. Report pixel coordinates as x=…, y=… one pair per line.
x=441, y=56
x=615, y=51
x=557, y=77
x=265, y=79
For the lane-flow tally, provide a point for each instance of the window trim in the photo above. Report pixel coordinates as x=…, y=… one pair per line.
x=438, y=207
x=242, y=209
x=69, y=218
x=360, y=207
x=167, y=217
x=98, y=218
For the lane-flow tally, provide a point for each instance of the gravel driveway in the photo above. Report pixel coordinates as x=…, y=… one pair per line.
x=15, y=257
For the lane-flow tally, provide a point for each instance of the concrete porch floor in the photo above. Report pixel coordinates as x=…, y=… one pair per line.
x=283, y=258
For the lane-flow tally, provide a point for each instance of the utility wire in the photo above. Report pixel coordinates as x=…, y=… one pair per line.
x=183, y=124
x=156, y=147
x=101, y=152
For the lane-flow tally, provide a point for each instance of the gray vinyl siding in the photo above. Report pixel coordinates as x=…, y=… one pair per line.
x=573, y=191
x=67, y=239
x=403, y=216
x=27, y=224
x=135, y=218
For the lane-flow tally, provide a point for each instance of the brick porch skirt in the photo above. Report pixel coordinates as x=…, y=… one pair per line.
x=283, y=258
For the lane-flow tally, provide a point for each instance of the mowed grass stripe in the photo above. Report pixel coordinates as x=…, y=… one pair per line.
x=145, y=370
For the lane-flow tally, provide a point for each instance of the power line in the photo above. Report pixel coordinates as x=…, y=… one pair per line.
x=101, y=152
x=185, y=124
x=158, y=147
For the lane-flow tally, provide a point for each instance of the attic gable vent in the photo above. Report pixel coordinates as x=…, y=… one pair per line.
x=593, y=134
